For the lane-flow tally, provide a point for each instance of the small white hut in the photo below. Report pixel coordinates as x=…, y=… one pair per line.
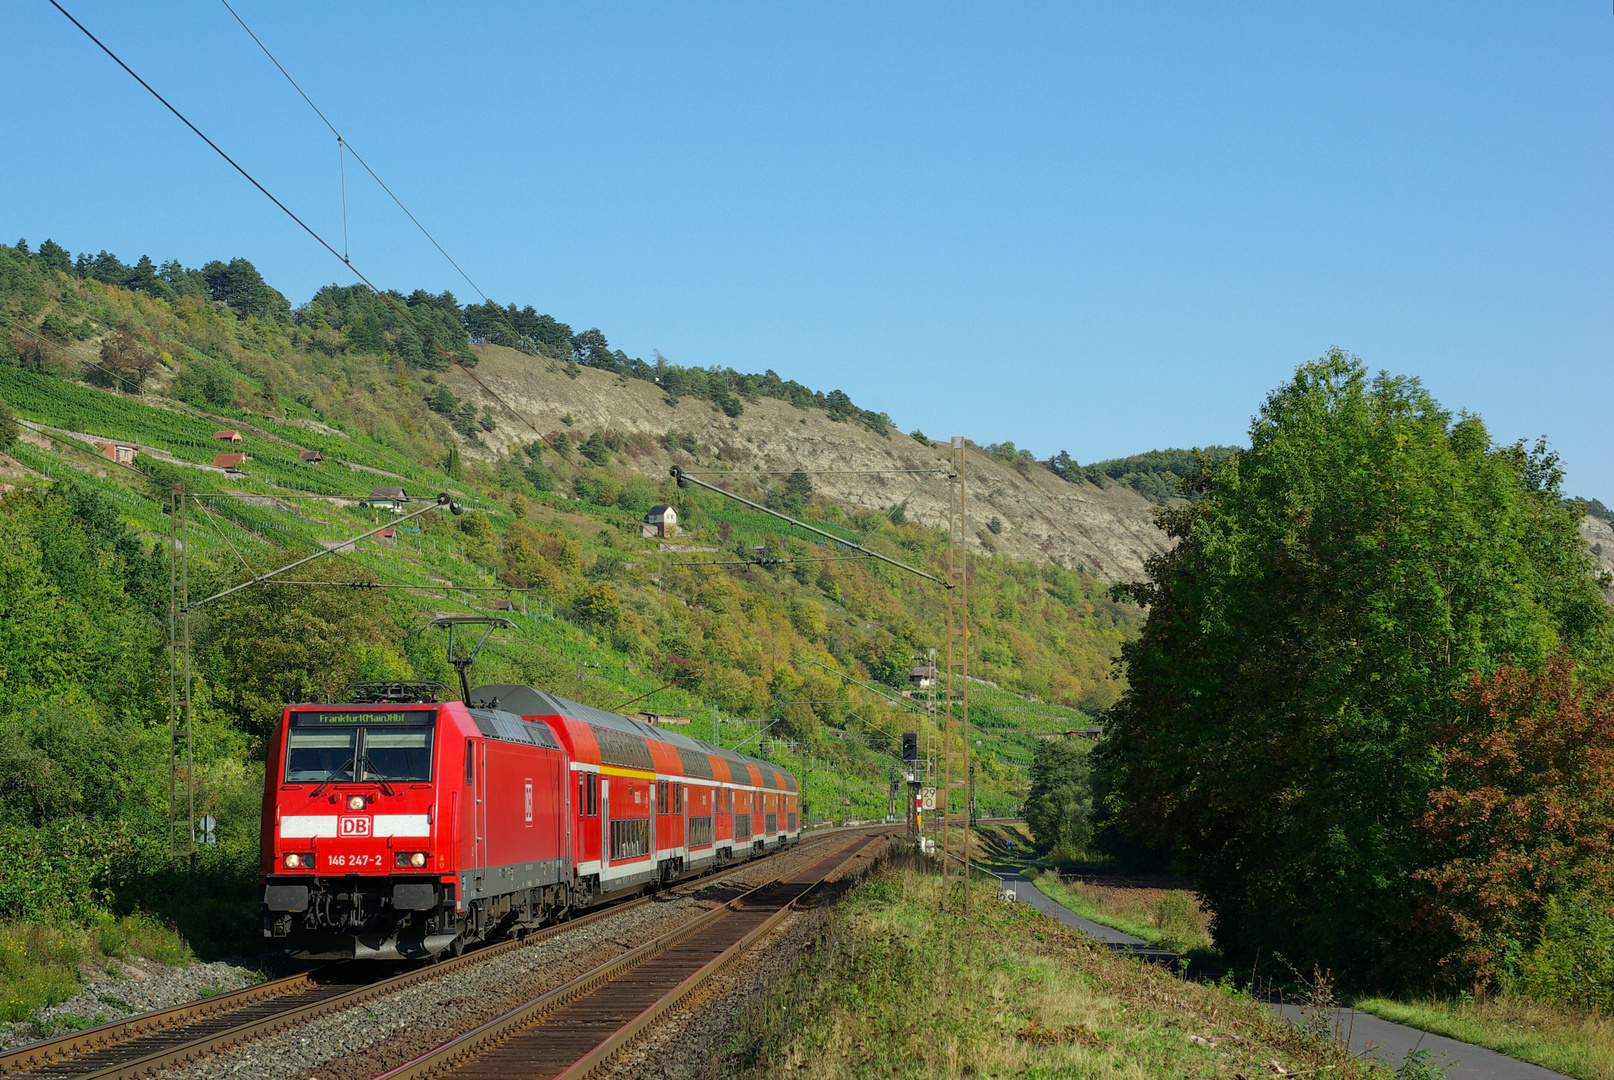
x=662, y=520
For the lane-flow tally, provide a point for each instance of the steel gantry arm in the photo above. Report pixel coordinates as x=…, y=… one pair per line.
x=684, y=480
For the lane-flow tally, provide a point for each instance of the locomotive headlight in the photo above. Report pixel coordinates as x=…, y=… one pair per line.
x=356, y=802
x=414, y=860
x=296, y=861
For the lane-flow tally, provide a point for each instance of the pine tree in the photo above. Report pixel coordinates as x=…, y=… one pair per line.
x=594, y=449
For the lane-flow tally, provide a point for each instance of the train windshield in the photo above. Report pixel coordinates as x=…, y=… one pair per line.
x=341, y=747
x=396, y=755
x=320, y=756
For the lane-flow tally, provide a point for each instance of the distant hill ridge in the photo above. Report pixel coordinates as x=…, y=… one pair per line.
x=1096, y=517
x=561, y=381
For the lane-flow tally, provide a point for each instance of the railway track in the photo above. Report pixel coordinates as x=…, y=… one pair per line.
x=150, y=1042
x=578, y=1027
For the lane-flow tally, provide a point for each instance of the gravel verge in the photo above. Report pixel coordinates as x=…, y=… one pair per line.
x=359, y=1043
x=126, y=988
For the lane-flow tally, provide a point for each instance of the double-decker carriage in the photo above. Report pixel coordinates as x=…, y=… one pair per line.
x=650, y=805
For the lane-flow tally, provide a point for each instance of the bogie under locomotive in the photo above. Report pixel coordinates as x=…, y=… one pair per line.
x=407, y=828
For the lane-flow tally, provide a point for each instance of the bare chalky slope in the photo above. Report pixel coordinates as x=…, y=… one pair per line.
x=1108, y=531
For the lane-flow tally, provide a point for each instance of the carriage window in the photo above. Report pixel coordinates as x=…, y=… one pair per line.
x=661, y=796
x=593, y=794
x=397, y=755
x=319, y=756
x=582, y=794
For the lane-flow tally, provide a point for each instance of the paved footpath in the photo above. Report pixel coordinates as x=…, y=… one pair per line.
x=1372, y=1035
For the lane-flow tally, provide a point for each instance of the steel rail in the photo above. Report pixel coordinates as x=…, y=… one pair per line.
x=50, y=1056
x=168, y=1057
x=632, y=1031
x=467, y=1047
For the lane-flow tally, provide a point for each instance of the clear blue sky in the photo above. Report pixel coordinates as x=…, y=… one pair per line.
x=1094, y=228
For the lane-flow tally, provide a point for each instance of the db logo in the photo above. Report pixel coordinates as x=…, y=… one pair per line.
x=353, y=826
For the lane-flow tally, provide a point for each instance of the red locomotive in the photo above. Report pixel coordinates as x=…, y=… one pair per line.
x=400, y=827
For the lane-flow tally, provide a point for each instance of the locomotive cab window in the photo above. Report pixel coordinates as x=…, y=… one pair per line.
x=341, y=747
x=397, y=755
x=314, y=757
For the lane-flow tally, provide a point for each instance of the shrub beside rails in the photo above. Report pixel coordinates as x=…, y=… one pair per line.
x=397, y=826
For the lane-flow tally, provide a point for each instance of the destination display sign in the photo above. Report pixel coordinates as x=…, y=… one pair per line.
x=402, y=717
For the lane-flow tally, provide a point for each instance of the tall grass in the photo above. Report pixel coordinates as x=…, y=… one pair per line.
x=41, y=965
x=891, y=987
x=1577, y=1042
x=1170, y=918
x=1555, y=1001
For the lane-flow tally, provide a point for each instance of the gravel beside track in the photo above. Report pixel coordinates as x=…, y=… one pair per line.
x=138, y=986
x=358, y=1043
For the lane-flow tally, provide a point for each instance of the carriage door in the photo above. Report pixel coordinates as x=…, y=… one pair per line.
x=480, y=817
x=605, y=821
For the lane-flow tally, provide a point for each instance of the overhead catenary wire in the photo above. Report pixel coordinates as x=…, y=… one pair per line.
x=905, y=703
x=210, y=512
x=382, y=296
x=270, y=579
x=261, y=578
x=811, y=472
x=342, y=144
x=341, y=172
x=764, y=562
x=391, y=585
x=684, y=479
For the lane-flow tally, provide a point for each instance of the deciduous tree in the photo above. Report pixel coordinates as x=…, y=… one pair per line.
x=1330, y=590
x=1059, y=806
x=1525, y=812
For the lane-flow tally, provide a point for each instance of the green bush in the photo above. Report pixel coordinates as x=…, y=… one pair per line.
x=66, y=870
x=1573, y=962
x=597, y=488
x=37, y=968
x=1174, y=915
x=637, y=496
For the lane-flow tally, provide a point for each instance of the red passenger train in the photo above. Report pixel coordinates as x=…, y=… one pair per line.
x=400, y=828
